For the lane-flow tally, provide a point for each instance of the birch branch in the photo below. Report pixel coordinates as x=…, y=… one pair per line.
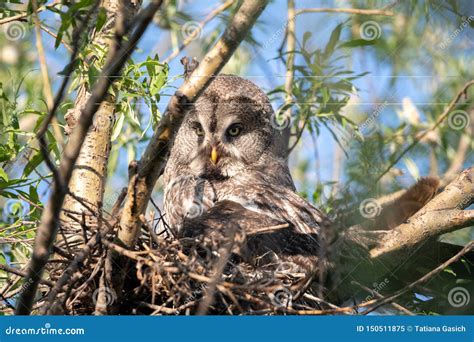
x=48, y=227
x=197, y=31
x=153, y=161
x=441, y=215
x=347, y=10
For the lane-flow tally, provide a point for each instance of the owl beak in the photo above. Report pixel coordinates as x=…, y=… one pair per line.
x=214, y=155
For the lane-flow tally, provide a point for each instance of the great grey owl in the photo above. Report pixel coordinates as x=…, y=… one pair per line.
x=224, y=169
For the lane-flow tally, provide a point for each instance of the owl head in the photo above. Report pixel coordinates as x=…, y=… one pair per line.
x=227, y=131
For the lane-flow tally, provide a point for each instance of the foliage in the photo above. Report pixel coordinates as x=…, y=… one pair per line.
x=337, y=72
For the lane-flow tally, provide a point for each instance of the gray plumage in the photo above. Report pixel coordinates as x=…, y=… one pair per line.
x=242, y=181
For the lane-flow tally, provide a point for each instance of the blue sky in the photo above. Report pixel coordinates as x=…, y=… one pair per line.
x=418, y=84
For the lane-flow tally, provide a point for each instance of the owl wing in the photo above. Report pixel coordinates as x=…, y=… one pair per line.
x=278, y=201
x=263, y=241
x=186, y=197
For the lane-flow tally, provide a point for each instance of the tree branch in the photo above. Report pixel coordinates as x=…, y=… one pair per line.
x=346, y=10
x=438, y=122
x=145, y=173
x=441, y=215
x=195, y=33
x=423, y=279
x=153, y=161
x=24, y=15
x=49, y=220
x=289, y=76
x=90, y=173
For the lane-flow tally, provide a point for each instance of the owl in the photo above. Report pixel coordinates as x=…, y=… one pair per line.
x=225, y=169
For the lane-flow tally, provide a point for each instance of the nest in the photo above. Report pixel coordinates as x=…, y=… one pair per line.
x=165, y=275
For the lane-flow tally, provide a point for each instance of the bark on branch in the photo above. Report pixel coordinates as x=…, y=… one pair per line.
x=441, y=215
x=48, y=227
x=153, y=161
x=360, y=251
x=89, y=176
x=145, y=173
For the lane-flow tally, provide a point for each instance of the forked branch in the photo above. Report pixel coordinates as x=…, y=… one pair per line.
x=48, y=227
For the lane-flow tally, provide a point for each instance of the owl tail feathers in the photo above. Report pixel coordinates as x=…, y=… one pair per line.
x=408, y=204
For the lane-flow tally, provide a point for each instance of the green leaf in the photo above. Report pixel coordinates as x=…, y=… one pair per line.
x=306, y=36
x=3, y=174
x=356, y=43
x=6, y=153
x=450, y=271
x=34, y=198
x=333, y=40
x=33, y=163
x=101, y=18
x=326, y=95
x=118, y=126
x=11, y=183
x=93, y=75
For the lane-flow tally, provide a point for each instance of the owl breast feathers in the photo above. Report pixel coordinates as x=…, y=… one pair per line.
x=224, y=170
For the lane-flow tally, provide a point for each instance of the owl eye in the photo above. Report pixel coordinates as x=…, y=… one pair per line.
x=234, y=130
x=199, y=131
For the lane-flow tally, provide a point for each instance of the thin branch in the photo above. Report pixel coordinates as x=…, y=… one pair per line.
x=423, y=279
x=346, y=10
x=438, y=122
x=299, y=135
x=21, y=273
x=24, y=15
x=441, y=215
x=378, y=295
x=154, y=159
x=55, y=36
x=49, y=221
x=165, y=310
x=196, y=32
x=48, y=93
